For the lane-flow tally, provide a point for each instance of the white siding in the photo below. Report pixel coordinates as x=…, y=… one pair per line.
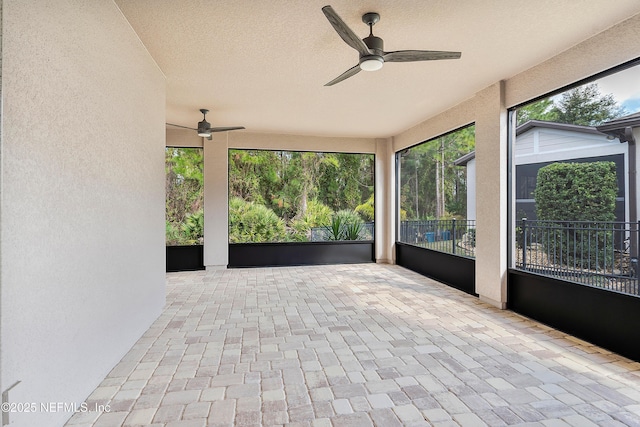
x=561, y=145
x=526, y=144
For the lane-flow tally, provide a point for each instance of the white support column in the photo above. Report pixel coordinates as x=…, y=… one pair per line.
x=385, y=230
x=216, y=202
x=491, y=196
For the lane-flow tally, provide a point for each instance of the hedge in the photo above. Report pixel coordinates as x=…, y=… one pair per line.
x=570, y=192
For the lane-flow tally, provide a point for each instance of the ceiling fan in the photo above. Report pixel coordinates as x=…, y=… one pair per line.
x=371, y=48
x=204, y=127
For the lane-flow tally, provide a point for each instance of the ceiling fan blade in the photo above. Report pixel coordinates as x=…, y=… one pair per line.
x=418, y=55
x=345, y=32
x=224, y=129
x=183, y=127
x=350, y=72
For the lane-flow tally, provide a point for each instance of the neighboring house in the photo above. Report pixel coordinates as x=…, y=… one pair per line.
x=540, y=143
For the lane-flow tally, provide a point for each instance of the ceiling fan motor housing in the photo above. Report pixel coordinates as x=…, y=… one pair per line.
x=375, y=45
x=204, y=126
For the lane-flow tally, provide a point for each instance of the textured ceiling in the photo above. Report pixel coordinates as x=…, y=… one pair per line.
x=263, y=64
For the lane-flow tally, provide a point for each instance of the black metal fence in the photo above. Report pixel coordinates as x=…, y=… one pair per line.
x=602, y=254
x=454, y=236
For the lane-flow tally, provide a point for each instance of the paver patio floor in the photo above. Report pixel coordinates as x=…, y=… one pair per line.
x=355, y=345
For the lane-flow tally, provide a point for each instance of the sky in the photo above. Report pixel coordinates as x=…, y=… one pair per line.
x=625, y=88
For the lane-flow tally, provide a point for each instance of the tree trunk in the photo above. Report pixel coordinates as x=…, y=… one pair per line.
x=303, y=202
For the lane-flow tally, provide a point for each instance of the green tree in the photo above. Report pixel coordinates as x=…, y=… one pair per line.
x=586, y=106
x=294, y=184
x=367, y=209
x=345, y=180
x=184, y=193
x=255, y=175
x=583, y=105
x=431, y=186
x=539, y=110
x=308, y=177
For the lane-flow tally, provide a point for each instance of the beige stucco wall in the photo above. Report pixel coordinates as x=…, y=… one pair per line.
x=491, y=200
x=216, y=201
x=82, y=230
x=608, y=49
x=385, y=196
x=1, y=30
x=250, y=140
x=183, y=138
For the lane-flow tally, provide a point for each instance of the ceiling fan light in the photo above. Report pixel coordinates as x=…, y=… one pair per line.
x=204, y=134
x=371, y=64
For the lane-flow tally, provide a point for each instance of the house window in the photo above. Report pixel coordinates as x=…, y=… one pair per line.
x=291, y=196
x=526, y=184
x=435, y=179
x=575, y=214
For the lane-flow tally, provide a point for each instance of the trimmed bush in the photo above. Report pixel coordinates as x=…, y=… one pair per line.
x=570, y=192
x=577, y=192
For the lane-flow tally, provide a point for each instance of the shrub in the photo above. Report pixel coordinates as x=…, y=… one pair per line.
x=576, y=192
x=569, y=192
x=188, y=232
x=471, y=237
x=352, y=231
x=520, y=215
x=252, y=222
x=193, y=228
x=335, y=229
x=172, y=234
x=345, y=225
x=317, y=215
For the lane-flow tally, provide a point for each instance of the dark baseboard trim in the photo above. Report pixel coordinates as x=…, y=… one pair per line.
x=455, y=271
x=185, y=258
x=606, y=318
x=300, y=253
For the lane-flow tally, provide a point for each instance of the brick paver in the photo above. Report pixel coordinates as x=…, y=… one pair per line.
x=354, y=345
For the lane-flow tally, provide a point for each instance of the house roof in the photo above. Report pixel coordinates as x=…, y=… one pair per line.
x=555, y=125
x=621, y=128
x=462, y=161
x=531, y=124
x=263, y=64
